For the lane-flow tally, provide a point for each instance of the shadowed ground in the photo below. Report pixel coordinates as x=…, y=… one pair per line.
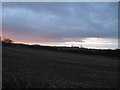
x=38, y=68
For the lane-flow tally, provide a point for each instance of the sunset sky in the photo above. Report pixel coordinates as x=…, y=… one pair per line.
x=90, y=24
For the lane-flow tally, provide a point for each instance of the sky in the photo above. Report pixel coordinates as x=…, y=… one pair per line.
x=87, y=24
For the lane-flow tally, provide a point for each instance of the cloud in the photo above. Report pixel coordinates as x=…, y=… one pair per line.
x=60, y=22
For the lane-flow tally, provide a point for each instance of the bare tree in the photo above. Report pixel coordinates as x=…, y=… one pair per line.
x=7, y=40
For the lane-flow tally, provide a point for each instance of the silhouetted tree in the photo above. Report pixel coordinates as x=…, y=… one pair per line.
x=7, y=40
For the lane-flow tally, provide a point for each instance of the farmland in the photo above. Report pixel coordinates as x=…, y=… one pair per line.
x=41, y=68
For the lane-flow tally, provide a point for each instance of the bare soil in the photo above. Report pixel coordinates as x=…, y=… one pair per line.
x=38, y=68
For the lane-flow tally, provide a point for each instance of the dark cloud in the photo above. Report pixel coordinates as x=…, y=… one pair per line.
x=60, y=21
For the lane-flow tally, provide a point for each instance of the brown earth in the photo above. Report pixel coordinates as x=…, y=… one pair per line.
x=38, y=68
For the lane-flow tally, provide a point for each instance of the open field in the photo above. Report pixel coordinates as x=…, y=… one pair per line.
x=39, y=68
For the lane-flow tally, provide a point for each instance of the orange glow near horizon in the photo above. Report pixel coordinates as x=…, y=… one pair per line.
x=46, y=41
x=30, y=43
